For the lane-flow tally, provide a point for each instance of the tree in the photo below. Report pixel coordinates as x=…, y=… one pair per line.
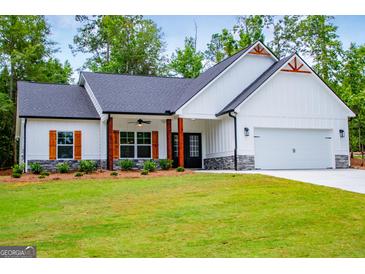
x=321, y=42
x=222, y=45
x=120, y=44
x=25, y=54
x=352, y=91
x=6, y=119
x=250, y=29
x=286, y=38
x=187, y=62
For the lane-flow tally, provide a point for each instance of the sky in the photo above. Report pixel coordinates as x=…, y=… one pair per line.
x=176, y=28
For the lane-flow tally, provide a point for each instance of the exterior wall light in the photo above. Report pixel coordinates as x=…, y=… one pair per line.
x=342, y=133
x=247, y=131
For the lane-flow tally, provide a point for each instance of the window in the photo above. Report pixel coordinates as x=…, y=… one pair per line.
x=135, y=144
x=127, y=145
x=175, y=147
x=65, y=144
x=194, y=145
x=143, y=144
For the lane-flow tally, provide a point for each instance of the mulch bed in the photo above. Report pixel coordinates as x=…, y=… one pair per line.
x=4, y=172
x=356, y=163
x=104, y=174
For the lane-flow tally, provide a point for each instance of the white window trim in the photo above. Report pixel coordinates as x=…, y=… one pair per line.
x=73, y=145
x=135, y=145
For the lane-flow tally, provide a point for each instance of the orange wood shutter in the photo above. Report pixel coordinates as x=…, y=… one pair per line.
x=116, y=144
x=155, y=145
x=77, y=153
x=52, y=144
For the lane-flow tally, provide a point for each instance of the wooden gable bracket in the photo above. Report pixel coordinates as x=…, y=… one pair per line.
x=259, y=50
x=295, y=67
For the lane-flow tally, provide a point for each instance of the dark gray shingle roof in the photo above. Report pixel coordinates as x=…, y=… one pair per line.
x=53, y=100
x=118, y=93
x=253, y=86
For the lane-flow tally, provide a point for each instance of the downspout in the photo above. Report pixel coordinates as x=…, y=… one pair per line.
x=235, y=137
x=25, y=145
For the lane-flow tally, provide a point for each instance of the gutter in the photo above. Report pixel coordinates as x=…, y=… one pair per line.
x=235, y=137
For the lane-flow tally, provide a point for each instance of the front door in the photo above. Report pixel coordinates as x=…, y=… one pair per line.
x=192, y=150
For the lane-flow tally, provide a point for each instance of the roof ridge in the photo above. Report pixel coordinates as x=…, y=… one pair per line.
x=138, y=75
x=46, y=83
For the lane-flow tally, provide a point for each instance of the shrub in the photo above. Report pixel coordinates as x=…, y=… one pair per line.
x=166, y=164
x=113, y=173
x=144, y=172
x=126, y=164
x=87, y=166
x=63, y=167
x=180, y=169
x=36, y=168
x=79, y=174
x=16, y=175
x=42, y=176
x=45, y=173
x=149, y=165
x=18, y=169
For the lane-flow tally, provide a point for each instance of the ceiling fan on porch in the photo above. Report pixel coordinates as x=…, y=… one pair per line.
x=140, y=122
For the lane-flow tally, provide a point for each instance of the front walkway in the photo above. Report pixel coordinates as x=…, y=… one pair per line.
x=346, y=179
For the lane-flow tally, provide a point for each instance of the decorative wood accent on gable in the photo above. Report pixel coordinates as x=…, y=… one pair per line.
x=295, y=66
x=259, y=50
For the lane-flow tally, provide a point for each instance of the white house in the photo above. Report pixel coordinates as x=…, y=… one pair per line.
x=250, y=111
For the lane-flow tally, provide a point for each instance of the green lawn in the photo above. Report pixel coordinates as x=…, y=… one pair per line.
x=200, y=215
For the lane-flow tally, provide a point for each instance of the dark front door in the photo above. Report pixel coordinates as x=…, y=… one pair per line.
x=192, y=150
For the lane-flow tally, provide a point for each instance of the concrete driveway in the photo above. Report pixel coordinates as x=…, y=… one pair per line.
x=346, y=179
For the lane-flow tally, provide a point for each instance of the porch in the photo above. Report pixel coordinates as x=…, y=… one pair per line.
x=144, y=137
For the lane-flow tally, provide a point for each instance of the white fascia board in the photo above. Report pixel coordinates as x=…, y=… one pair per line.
x=350, y=112
x=198, y=116
x=179, y=111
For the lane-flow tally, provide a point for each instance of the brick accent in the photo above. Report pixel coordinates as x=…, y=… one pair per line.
x=342, y=161
x=138, y=163
x=50, y=165
x=244, y=162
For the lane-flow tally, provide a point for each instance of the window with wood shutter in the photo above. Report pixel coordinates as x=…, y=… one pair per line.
x=116, y=144
x=77, y=154
x=155, y=145
x=52, y=144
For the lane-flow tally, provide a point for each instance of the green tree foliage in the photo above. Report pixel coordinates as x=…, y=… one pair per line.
x=120, y=44
x=222, y=45
x=321, y=42
x=6, y=125
x=25, y=54
x=187, y=62
x=285, y=35
x=352, y=91
x=250, y=29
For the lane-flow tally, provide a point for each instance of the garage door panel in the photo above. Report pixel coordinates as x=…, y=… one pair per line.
x=292, y=148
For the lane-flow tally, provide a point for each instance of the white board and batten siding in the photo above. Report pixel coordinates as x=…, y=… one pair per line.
x=292, y=101
x=216, y=95
x=38, y=137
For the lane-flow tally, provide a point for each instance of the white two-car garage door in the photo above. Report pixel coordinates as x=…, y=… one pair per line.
x=292, y=148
